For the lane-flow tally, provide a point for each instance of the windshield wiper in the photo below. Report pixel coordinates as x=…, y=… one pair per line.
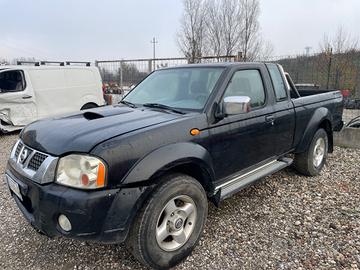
x=128, y=103
x=162, y=106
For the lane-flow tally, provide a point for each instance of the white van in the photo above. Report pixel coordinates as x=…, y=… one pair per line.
x=28, y=93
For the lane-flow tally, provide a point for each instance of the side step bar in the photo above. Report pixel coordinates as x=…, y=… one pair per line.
x=236, y=184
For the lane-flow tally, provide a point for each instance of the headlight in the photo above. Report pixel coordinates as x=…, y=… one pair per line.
x=81, y=171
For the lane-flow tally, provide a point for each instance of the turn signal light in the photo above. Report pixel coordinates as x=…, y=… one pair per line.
x=194, y=132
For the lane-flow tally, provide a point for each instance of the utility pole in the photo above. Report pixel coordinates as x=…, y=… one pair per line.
x=307, y=50
x=154, y=42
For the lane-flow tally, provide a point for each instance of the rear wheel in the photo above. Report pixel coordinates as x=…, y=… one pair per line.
x=170, y=224
x=312, y=161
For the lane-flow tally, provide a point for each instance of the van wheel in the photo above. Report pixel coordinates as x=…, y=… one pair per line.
x=88, y=106
x=170, y=224
x=312, y=161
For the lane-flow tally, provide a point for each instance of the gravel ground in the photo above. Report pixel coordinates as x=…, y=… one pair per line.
x=285, y=222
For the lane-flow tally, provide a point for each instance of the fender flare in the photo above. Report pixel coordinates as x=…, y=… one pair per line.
x=167, y=157
x=320, y=115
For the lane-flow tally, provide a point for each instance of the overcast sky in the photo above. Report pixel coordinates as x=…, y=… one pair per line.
x=89, y=29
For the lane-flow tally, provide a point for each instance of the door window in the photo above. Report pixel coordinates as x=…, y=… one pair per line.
x=12, y=81
x=247, y=83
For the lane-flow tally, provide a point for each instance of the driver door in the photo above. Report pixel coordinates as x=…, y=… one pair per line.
x=242, y=140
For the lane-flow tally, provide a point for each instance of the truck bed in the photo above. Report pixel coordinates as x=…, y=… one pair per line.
x=314, y=96
x=311, y=92
x=312, y=100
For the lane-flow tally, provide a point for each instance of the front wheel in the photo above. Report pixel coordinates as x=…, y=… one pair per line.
x=170, y=224
x=312, y=161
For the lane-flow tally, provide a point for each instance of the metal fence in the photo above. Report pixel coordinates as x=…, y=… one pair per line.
x=326, y=70
x=120, y=75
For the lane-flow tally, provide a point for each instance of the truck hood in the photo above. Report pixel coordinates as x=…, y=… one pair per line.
x=82, y=131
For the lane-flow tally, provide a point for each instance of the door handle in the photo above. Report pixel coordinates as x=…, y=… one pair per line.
x=270, y=119
x=26, y=97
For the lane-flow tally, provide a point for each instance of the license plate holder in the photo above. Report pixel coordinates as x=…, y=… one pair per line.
x=14, y=187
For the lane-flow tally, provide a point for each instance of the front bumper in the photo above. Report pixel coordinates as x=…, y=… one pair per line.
x=101, y=216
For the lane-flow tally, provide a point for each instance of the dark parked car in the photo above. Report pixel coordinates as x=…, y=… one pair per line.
x=143, y=171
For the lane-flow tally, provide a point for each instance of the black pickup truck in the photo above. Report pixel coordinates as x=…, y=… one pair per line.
x=142, y=171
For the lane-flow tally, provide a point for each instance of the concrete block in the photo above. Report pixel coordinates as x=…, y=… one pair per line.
x=348, y=137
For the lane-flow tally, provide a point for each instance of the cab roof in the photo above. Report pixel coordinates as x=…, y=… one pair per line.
x=219, y=64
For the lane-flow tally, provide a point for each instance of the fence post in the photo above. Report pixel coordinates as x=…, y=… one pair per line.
x=239, y=57
x=121, y=75
x=96, y=63
x=329, y=69
x=149, y=66
x=357, y=84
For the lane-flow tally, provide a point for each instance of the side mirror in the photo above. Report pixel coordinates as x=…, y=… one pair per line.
x=236, y=105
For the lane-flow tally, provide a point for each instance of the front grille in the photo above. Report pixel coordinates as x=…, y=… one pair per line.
x=32, y=164
x=36, y=161
x=18, y=149
x=29, y=153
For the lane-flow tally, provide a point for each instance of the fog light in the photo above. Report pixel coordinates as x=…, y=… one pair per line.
x=64, y=223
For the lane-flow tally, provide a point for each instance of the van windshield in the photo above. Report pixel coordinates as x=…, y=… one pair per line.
x=182, y=88
x=11, y=81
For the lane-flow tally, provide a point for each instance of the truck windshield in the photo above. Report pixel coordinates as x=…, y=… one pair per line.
x=183, y=88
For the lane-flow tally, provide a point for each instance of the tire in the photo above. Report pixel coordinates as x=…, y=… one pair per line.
x=88, y=106
x=145, y=237
x=310, y=162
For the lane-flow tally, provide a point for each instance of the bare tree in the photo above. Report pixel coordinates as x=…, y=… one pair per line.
x=265, y=51
x=222, y=27
x=341, y=42
x=192, y=33
x=338, y=54
x=231, y=21
x=251, y=41
x=214, y=35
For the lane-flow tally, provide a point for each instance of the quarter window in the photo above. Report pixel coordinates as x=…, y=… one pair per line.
x=247, y=83
x=278, y=82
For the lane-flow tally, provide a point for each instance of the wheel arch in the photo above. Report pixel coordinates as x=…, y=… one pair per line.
x=91, y=98
x=327, y=126
x=187, y=158
x=321, y=118
x=89, y=105
x=191, y=167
